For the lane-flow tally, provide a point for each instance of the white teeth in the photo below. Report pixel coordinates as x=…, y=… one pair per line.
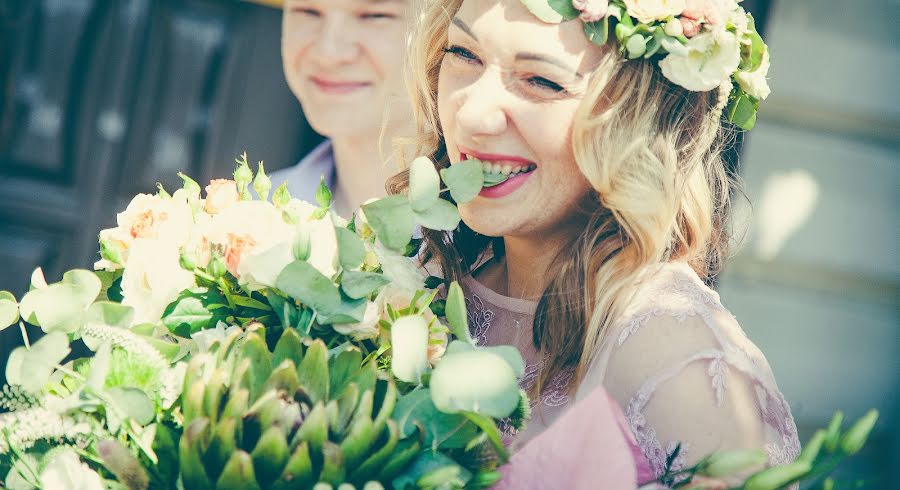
x=494, y=168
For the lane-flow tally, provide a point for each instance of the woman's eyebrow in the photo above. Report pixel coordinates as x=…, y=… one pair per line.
x=525, y=56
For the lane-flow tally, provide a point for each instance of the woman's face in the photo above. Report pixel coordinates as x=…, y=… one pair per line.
x=343, y=59
x=508, y=91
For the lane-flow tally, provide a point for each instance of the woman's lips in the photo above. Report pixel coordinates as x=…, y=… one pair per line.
x=337, y=87
x=512, y=183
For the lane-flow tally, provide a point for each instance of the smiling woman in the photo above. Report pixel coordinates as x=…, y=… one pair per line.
x=343, y=60
x=614, y=216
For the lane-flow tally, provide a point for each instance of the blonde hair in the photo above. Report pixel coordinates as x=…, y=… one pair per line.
x=651, y=150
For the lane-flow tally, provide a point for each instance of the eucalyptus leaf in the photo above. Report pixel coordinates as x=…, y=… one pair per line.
x=358, y=285
x=392, y=219
x=351, y=251
x=85, y=283
x=54, y=308
x=134, y=403
x=38, y=281
x=442, y=216
x=491, y=179
x=442, y=430
x=348, y=311
x=303, y=282
x=552, y=11
x=9, y=309
x=464, y=179
x=455, y=310
x=32, y=368
x=110, y=314
x=510, y=354
x=597, y=32
x=478, y=381
x=431, y=470
x=424, y=184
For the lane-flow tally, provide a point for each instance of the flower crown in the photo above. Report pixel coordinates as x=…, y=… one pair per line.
x=703, y=44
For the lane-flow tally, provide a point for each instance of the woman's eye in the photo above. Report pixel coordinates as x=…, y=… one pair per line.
x=545, y=84
x=377, y=16
x=462, y=53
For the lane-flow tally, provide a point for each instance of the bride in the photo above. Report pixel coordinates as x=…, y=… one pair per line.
x=593, y=256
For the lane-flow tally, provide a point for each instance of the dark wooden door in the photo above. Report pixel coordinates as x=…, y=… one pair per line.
x=102, y=99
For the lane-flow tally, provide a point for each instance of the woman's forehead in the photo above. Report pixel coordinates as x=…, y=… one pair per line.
x=349, y=3
x=509, y=26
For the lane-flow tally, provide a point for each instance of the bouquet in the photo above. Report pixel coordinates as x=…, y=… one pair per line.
x=245, y=342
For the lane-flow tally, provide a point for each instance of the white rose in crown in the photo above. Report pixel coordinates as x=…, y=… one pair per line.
x=166, y=218
x=754, y=82
x=647, y=11
x=712, y=56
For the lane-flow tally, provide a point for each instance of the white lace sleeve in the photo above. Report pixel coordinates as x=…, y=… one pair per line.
x=684, y=372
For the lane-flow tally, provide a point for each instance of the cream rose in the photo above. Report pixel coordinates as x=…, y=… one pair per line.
x=148, y=216
x=220, y=194
x=714, y=12
x=712, y=57
x=647, y=11
x=153, y=278
x=754, y=82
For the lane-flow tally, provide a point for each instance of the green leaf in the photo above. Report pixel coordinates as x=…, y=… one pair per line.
x=456, y=314
x=110, y=314
x=351, y=250
x=61, y=306
x=359, y=285
x=323, y=194
x=443, y=216
x=855, y=437
x=742, y=110
x=187, y=315
x=313, y=371
x=464, y=179
x=552, y=11
x=778, y=477
x=442, y=430
x=31, y=368
x=488, y=426
x=9, y=309
x=752, y=52
x=430, y=470
x=348, y=311
x=134, y=403
x=424, y=184
x=597, y=32
x=491, y=179
x=303, y=282
x=477, y=381
x=392, y=219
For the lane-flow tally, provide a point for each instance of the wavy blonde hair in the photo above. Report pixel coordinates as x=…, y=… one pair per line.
x=652, y=151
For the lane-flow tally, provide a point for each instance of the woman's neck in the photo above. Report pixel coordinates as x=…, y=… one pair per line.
x=523, y=270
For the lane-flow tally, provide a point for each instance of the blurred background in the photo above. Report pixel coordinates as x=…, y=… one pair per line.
x=102, y=99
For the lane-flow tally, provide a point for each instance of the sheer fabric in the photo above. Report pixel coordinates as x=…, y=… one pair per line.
x=677, y=362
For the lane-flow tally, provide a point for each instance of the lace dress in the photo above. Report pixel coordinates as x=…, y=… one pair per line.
x=677, y=362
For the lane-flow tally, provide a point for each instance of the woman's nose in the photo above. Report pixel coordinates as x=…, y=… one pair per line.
x=480, y=111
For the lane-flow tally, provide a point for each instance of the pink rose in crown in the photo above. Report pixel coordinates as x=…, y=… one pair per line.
x=689, y=27
x=713, y=12
x=591, y=10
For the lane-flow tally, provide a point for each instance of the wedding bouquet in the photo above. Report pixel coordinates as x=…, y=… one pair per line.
x=257, y=343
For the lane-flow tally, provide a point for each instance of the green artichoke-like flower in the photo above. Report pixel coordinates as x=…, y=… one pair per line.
x=288, y=418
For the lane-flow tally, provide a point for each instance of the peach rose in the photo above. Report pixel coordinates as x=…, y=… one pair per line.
x=220, y=194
